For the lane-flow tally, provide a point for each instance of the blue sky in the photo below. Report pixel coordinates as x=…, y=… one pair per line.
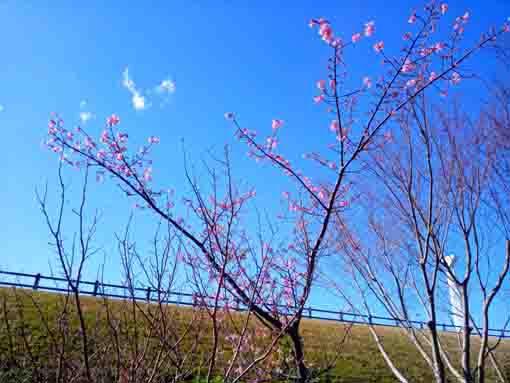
x=259, y=59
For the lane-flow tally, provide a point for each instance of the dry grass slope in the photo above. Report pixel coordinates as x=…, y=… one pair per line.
x=358, y=360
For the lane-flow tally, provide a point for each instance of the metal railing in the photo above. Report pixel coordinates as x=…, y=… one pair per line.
x=148, y=294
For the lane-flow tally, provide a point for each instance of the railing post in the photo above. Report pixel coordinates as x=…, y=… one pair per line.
x=148, y=294
x=309, y=312
x=341, y=316
x=36, y=281
x=96, y=288
x=370, y=319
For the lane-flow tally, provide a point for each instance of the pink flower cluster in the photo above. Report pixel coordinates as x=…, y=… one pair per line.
x=109, y=152
x=325, y=30
x=458, y=25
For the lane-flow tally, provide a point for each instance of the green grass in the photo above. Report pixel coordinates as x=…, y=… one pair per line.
x=357, y=359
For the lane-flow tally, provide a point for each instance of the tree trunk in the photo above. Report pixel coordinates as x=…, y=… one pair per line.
x=299, y=356
x=466, y=343
x=439, y=370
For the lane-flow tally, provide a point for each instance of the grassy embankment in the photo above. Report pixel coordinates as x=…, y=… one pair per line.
x=358, y=359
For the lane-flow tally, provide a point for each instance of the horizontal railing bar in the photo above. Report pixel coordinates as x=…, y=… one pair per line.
x=308, y=312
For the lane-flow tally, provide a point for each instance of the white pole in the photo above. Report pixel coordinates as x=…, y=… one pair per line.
x=455, y=301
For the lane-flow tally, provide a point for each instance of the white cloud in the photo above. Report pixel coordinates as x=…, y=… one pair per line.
x=164, y=90
x=85, y=116
x=127, y=82
x=137, y=99
x=141, y=98
x=166, y=86
x=138, y=102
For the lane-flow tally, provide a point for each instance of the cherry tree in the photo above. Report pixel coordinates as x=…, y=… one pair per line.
x=232, y=265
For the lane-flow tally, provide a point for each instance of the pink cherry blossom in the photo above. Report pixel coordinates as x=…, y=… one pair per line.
x=406, y=36
x=367, y=82
x=408, y=66
x=337, y=43
x=426, y=51
x=411, y=83
x=459, y=28
x=105, y=138
x=369, y=28
x=455, y=78
x=506, y=28
x=332, y=84
x=147, y=174
x=432, y=76
x=326, y=32
x=272, y=142
x=412, y=18
x=356, y=37
x=465, y=17
x=321, y=84
x=334, y=126
x=318, y=99
x=444, y=8
x=343, y=135
x=112, y=120
x=122, y=137
x=153, y=140
x=89, y=144
x=379, y=46
x=101, y=154
x=276, y=124
x=438, y=47
x=229, y=116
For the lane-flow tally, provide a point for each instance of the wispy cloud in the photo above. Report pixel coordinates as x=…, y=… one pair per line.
x=140, y=98
x=164, y=90
x=139, y=102
x=84, y=114
x=166, y=86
